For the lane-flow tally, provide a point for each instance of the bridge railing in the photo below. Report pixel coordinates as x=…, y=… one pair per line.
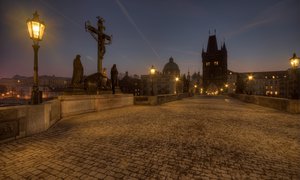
x=25, y=120
x=158, y=99
x=288, y=105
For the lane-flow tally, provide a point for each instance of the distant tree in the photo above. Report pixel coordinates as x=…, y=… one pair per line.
x=240, y=84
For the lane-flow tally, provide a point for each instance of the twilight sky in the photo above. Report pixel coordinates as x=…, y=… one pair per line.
x=260, y=35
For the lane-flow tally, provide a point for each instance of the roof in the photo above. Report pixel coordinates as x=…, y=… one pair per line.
x=212, y=45
x=171, y=67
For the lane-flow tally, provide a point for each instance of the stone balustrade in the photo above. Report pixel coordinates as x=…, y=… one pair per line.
x=26, y=120
x=288, y=105
x=158, y=99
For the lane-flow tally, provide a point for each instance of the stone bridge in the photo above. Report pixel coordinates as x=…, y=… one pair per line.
x=194, y=138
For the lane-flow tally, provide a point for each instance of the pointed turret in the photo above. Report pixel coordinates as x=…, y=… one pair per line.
x=224, y=47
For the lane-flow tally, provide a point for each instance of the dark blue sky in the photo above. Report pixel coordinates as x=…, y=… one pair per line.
x=260, y=35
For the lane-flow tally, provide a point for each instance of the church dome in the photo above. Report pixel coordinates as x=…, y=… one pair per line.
x=171, y=68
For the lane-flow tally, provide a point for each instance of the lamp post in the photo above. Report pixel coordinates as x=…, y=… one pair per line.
x=36, y=29
x=294, y=61
x=152, y=72
x=250, y=79
x=226, y=87
x=176, y=80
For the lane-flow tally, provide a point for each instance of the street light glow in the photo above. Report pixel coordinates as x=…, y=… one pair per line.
x=294, y=61
x=250, y=77
x=36, y=28
x=152, y=70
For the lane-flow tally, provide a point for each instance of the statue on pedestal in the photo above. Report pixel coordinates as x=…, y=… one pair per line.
x=114, y=78
x=77, y=78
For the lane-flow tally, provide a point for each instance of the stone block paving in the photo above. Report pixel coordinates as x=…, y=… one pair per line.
x=195, y=138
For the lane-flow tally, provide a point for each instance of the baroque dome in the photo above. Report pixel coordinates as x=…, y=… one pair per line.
x=171, y=68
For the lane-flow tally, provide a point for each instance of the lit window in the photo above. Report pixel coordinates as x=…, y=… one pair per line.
x=216, y=63
x=207, y=63
x=273, y=77
x=276, y=92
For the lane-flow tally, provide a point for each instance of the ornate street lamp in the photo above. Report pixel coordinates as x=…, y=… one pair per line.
x=294, y=61
x=176, y=80
x=152, y=72
x=36, y=29
x=250, y=79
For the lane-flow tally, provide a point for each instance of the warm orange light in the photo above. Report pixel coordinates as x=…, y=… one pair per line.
x=226, y=85
x=195, y=86
x=36, y=28
x=294, y=61
x=18, y=96
x=152, y=70
x=176, y=79
x=250, y=77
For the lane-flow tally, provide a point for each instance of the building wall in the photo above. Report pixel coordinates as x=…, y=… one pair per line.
x=268, y=83
x=162, y=84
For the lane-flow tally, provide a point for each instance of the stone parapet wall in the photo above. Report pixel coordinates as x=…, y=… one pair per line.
x=73, y=105
x=159, y=99
x=288, y=105
x=21, y=121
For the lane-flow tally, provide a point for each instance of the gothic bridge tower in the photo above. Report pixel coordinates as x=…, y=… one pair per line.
x=214, y=64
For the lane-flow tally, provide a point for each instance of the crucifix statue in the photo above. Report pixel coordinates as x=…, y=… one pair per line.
x=102, y=39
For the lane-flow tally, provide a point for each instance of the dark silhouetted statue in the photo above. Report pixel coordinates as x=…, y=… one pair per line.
x=102, y=39
x=114, y=78
x=77, y=77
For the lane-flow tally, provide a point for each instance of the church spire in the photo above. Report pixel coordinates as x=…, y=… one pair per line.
x=224, y=47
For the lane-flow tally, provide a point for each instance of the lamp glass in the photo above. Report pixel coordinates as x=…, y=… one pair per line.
x=36, y=28
x=250, y=77
x=152, y=71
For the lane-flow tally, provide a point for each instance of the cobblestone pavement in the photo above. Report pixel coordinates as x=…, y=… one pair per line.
x=195, y=138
